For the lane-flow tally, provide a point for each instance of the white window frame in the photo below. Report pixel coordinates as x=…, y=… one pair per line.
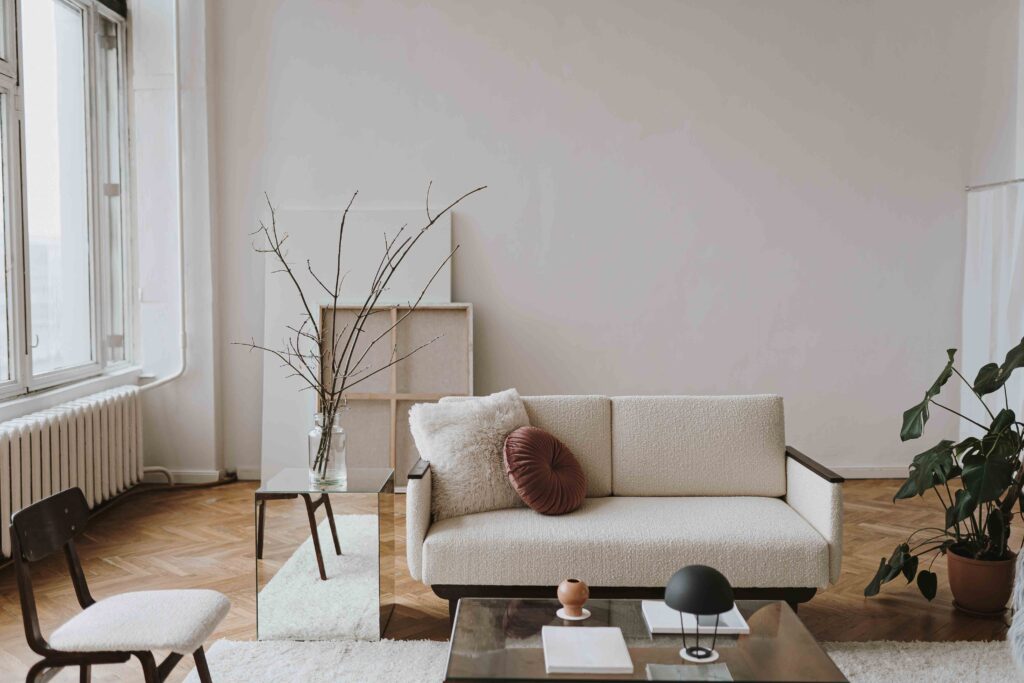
x=23, y=380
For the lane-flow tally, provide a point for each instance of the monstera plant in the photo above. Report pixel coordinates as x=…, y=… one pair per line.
x=977, y=481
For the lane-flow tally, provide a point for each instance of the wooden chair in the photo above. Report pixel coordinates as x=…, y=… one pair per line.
x=114, y=629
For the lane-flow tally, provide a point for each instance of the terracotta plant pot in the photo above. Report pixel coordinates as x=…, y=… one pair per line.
x=573, y=593
x=980, y=587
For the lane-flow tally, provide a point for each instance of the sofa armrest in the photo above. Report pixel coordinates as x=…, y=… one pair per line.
x=814, y=466
x=816, y=493
x=417, y=515
x=419, y=469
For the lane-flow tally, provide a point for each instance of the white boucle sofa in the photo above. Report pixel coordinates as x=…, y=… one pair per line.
x=671, y=481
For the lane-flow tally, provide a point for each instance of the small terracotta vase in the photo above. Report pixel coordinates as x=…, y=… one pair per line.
x=573, y=594
x=980, y=587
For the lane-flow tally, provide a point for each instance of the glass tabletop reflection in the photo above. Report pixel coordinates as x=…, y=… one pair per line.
x=360, y=480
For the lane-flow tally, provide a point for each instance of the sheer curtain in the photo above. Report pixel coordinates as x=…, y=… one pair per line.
x=993, y=304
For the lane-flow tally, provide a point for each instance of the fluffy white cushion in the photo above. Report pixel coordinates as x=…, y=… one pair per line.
x=698, y=446
x=463, y=442
x=175, y=620
x=613, y=541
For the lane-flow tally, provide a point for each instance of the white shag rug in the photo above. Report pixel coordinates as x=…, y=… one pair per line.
x=297, y=604
x=423, y=661
x=394, y=661
x=958, y=662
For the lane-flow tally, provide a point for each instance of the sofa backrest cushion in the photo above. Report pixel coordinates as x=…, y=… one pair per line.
x=698, y=446
x=584, y=425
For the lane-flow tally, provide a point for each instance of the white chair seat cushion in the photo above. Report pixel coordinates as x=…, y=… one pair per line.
x=175, y=620
x=624, y=541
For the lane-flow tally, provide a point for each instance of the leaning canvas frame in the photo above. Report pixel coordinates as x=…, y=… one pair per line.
x=376, y=418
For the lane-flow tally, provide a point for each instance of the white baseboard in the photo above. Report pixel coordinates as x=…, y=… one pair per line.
x=860, y=472
x=183, y=477
x=248, y=473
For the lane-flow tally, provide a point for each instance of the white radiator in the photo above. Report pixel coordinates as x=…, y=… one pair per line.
x=94, y=443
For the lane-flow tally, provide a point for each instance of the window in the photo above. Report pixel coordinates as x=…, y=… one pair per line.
x=64, y=312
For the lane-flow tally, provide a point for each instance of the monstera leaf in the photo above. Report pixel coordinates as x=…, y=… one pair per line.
x=986, y=476
x=915, y=418
x=931, y=468
x=928, y=584
x=962, y=508
x=998, y=529
x=1003, y=421
x=992, y=377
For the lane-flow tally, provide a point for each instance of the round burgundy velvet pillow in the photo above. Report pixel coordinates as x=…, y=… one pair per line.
x=544, y=473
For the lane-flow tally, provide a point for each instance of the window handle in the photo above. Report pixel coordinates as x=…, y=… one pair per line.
x=35, y=341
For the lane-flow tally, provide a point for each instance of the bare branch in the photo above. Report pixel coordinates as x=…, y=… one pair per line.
x=320, y=282
x=275, y=246
x=401, y=254
x=396, y=360
x=282, y=356
x=309, y=365
x=429, y=185
x=412, y=306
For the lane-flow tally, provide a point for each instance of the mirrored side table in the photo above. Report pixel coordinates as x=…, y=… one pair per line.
x=329, y=579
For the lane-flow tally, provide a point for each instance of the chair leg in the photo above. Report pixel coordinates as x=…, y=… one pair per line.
x=85, y=673
x=35, y=674
x=149, y=670
x=330, y=520
x=201, y=668
x=311, y=513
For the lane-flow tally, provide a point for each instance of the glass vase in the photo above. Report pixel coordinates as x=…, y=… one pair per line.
x=327, y=466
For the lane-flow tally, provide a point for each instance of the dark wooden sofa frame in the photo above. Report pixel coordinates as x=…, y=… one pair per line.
x=793, y=596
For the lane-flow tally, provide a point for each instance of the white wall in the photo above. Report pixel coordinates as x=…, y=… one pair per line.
x=685, y=197
x=180, y=418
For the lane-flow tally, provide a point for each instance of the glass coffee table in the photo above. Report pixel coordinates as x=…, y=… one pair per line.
x=496, y=639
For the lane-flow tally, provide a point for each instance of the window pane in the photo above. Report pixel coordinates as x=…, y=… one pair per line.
x=56, y=185
x=108, y=100
x=3, y=29
x=5, y=319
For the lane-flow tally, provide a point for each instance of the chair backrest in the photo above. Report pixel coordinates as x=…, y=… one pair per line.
x=38, y=531
x=45, y=527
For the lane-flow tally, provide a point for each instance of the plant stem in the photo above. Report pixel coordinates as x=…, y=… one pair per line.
x=969, y=386
x=934, y=402
x=956, y=526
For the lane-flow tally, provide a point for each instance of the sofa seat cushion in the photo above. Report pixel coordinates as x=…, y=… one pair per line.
x=624, y=541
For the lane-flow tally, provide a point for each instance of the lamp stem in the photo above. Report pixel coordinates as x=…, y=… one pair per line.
x=682, y=629
x=714, y=638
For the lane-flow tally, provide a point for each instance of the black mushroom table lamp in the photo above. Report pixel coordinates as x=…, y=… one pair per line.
x=701, y=591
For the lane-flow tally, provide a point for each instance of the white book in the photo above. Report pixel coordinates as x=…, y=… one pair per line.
x=661, y=618
x=585, y=650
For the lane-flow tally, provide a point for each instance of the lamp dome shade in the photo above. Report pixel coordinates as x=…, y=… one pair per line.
x=699, y=589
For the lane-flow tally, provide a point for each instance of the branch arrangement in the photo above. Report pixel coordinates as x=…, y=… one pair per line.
x=980, y=506
x=332, y=362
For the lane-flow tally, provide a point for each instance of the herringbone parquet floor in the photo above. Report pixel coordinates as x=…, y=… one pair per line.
x=204, y=538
